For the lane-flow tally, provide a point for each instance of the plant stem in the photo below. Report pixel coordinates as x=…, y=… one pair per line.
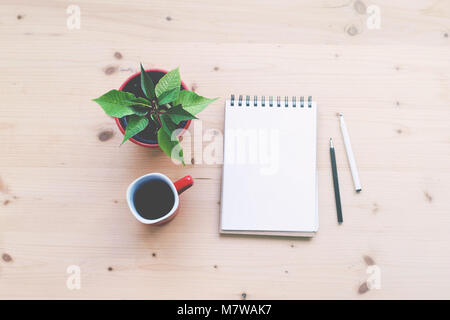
x=159, y=121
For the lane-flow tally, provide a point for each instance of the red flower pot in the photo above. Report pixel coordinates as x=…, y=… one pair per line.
x=133, y=85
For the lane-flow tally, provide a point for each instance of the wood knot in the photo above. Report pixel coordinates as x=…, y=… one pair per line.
x=363, y=288
x=360, y=7
x=216, y=68
x=7, y=258
x=369, y=260
x=110, y=70
x=118, y=55
x=169, y=18
x=244, y=296
x=352, y=30
x=105, y=135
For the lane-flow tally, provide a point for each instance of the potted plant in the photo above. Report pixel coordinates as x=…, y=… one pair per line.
x=153, y=108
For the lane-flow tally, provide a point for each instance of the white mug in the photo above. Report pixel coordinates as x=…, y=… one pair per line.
x=176, y=187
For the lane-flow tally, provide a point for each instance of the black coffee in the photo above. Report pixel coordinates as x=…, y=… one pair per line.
x=153, y=199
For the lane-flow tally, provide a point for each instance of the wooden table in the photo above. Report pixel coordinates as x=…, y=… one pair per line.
x=63, y=175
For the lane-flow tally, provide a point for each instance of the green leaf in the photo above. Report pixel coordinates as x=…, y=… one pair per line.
x=192, y=102
x=168, y=96
x=167, y=124
x=140, y=111
x=178, y=114
x=167, y=145
x=118, y=104
x=147, y=85
x=169, y=82
x=135, y=124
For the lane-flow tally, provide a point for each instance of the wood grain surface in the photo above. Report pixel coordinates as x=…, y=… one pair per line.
x=63, y=175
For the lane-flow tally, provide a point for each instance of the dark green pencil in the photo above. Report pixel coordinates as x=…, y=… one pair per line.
x=337, y=195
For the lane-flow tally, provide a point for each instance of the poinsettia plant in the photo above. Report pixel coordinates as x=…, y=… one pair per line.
x=164, y=105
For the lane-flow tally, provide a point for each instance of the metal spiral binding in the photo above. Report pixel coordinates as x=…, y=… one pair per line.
x=302, y=102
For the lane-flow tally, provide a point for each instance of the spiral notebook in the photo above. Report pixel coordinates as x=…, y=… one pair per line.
x=269, y=182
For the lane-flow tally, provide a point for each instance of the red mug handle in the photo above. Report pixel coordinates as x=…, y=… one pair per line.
x=183, y=184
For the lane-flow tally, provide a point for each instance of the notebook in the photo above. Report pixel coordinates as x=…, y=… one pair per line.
x=269, y=182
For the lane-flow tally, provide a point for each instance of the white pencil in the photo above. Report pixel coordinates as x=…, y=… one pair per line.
x=350, y=156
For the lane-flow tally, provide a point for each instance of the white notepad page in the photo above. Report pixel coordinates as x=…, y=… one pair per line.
x=269, y=174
